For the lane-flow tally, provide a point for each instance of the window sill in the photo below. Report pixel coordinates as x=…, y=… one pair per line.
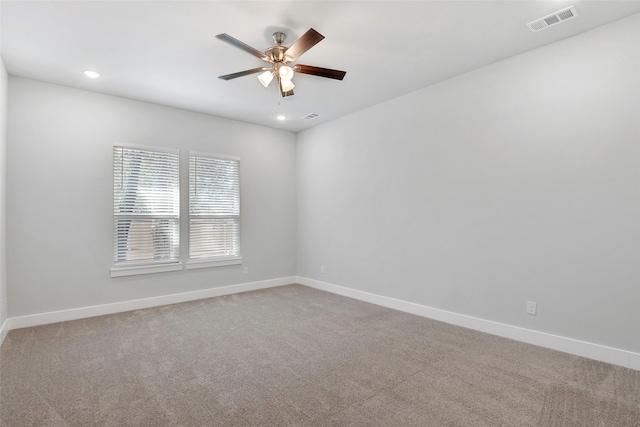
x=144, y=269
x=218, y=262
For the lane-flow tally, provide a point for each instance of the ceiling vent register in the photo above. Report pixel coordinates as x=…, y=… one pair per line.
x=311, y=116
x=553, y=19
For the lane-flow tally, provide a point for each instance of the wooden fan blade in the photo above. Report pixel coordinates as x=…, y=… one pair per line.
x=243, y=73
x=303, y=44
x=318, y=71
x=237, y=43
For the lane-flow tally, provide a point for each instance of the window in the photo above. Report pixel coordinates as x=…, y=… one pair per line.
x=214, y=210
x=146, y=207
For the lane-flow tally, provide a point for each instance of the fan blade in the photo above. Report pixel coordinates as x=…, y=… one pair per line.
x=318, y=71
x=243, y=73
x=237, y=43
x=303, y=44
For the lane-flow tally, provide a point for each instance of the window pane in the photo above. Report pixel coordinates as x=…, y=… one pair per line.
x=146, y=239
x=145, y=182
x=214, y=238
x=214, y=186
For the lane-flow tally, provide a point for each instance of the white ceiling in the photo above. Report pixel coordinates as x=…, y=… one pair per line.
x=166, y=52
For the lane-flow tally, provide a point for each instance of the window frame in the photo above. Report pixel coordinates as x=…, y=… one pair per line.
x=216, y=261
x=147, y=266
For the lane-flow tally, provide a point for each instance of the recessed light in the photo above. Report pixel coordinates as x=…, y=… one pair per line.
x=91, y=74
x=280, y=117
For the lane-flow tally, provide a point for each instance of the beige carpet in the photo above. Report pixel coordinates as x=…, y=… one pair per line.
x=297, y=356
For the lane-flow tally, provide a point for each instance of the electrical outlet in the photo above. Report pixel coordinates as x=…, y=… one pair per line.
x=532, y=307
x=245, y=270
x=322, y=269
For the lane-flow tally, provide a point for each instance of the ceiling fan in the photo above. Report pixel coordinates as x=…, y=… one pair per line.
x=280, y=57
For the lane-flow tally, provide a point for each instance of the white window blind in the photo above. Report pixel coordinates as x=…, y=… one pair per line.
x=214, y=207
x=146, y=202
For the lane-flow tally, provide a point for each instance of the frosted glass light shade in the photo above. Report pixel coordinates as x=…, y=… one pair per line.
x=287, y=85
x=265, y=78
x=286, y=73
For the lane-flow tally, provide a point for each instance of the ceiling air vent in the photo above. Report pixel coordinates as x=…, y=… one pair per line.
x=553, y=19
x=311, y=116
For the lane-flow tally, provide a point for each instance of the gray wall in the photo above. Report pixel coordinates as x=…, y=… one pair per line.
x=3, y=186
x=60, y=196
x=516, y=182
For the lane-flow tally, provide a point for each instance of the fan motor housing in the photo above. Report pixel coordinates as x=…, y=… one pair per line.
x=276, y=53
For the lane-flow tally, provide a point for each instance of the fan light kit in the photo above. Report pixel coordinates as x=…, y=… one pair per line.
x=280, y=57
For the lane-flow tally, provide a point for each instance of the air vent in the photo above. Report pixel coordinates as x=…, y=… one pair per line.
x=553, y=19
x=311, y=116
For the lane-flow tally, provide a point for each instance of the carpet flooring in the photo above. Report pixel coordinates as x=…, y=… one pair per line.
x=296, y=356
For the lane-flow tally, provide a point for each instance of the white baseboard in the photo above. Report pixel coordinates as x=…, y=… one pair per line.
x=119, y=307
x=589, y=350
x=599, y=352
x=4, y=329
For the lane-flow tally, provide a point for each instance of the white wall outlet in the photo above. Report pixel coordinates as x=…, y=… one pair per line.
x=245, y=270
x=322, y=269
x=532, y=307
